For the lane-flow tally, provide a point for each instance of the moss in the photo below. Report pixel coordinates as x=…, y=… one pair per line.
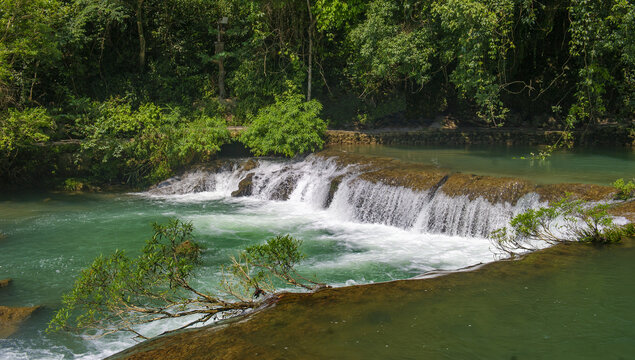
x=495, y=190
x=587, y=192
x=625, y=209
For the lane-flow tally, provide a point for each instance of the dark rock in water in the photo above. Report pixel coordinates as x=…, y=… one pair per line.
x=335, y=184
x=12, y=317
x=284, y=188
x=5, y=283
x=245, y=187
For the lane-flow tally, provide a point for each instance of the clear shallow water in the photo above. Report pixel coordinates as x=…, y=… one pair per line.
x=369, y=233
x=587, y=166
x=52, y=236
x=566, y=303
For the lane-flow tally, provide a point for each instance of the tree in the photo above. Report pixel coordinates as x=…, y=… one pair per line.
x=564, y=221
x=20, y=131
x=117, y=293
x=29, y=47
x=290, y=126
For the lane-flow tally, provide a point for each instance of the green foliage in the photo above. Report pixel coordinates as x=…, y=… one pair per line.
x=290, y=126
x=118, y=292
x=385, y=53
x=377, y=63
x=624, y=190
x=20, y=134
x=21, y=129
x=566, y=220
x=148, y=144
x=29, y=47
x=252, y=272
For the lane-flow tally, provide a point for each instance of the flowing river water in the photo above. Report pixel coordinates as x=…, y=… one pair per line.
x=359, y=233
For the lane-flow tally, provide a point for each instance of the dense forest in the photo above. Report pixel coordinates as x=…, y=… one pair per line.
x=137, y=88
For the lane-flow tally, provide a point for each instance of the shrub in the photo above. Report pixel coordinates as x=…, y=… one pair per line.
x=624, y=190
x=290, y=126
x=147, y=144
x=20, y=131
x=566, y=220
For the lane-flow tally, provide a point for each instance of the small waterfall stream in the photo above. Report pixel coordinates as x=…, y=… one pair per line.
x=322, y=183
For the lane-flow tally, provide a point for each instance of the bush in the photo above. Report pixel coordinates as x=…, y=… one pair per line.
x=624, y=190
x=20, y=131
x=148, y=144
x=290, y=126
x=566, y=220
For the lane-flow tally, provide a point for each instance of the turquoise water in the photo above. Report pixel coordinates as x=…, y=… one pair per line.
x=564, y=305
x=51, y=237
x=580, y=165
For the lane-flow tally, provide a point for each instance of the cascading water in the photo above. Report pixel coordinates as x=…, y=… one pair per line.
x=321, y=183
x=355, y=230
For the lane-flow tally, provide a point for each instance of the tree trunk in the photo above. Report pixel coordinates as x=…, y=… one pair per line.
x=310, y=70
x=142, y=39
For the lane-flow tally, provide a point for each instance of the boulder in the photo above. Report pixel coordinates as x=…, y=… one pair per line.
x=245, y=187
x=12, y=317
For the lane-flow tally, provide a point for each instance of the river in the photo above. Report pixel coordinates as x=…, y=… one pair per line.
x=360, y=233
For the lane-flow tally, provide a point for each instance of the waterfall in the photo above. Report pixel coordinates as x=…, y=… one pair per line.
x=322, y=183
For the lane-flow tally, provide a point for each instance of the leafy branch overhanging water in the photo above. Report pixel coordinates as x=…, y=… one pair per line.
x=119, y=293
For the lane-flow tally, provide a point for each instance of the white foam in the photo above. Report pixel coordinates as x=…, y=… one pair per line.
x=369, y=231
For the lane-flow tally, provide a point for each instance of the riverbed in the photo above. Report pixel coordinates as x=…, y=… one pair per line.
x=361, y=233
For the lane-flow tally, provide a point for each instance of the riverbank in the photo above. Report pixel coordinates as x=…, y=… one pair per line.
x=62, y=165
x=363, y=219
x=548, y=304
x=619, y=136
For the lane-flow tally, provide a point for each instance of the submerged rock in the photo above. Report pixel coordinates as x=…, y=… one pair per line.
x=245, y=186
x=12, y=317
x=288, y=329
x=5, y=282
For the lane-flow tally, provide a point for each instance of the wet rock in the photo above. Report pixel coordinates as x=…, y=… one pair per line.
x=5, y=282
x=245, y=187
x=625, y=209
x=249, y=165
x=12, y=317
x=587, y=192
x=493, y=189
x=284, y=189
x=335, y=184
